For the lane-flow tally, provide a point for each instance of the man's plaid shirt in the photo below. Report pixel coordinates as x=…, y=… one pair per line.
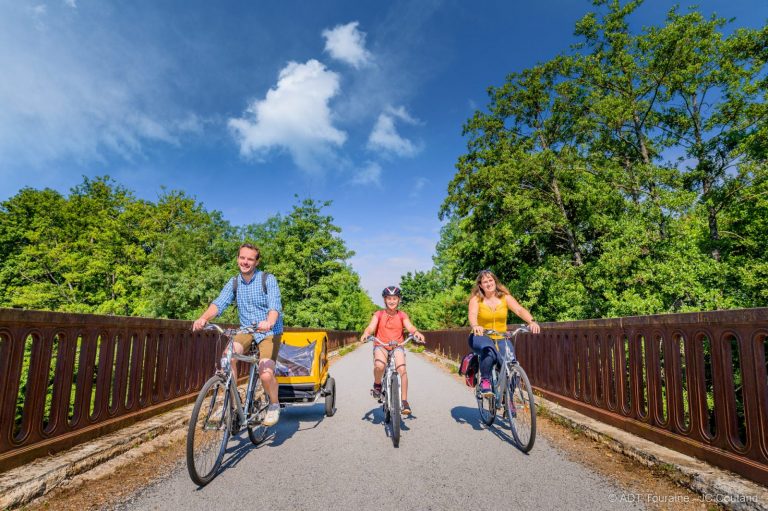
x=252, y=304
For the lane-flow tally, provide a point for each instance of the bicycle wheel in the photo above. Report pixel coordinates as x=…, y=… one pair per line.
x=384, y=400
x=394, y=408
x=520, y=408
x=486, y=406
x=259, y=404
x=208, y=431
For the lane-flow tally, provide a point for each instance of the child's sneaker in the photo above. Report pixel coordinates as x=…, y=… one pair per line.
x=485, y=387
x=376, y=391
x=406, y=408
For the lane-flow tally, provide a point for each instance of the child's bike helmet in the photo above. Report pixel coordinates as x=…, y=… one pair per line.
x=391, y=291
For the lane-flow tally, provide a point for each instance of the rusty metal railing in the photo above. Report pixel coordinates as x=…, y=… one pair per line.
x=68, y=378
x=695, y=383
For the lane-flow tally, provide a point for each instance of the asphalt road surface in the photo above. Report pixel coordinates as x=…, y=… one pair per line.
x=446, y=459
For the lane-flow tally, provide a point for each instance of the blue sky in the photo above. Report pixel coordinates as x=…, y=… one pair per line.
x=244, y=104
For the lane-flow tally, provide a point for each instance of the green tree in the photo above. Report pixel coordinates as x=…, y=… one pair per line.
x=604, y=183
x=716, y=111
x=192, y=252
x=309, y=258
x=73, y=254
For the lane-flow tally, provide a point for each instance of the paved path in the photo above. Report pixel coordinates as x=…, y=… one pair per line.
x=446, y=459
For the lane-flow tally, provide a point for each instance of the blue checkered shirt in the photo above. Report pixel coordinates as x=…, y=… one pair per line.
x=252, y=303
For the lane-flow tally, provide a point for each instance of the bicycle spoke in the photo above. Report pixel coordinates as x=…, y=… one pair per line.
x=520, y=409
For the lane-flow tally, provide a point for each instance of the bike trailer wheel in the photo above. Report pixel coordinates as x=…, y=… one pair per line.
x=330, y=397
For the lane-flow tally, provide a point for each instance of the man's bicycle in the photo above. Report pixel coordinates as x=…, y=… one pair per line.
x=390, y=386
x=219, y=411
x=512, y=394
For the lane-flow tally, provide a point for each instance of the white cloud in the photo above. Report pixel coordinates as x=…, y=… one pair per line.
x=385, y=138
x=370, y=174
x=294, y=116
x=347, y=44
x=71, y=3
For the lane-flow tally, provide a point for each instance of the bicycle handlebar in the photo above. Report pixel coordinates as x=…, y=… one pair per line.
x=379, y=342
x=508, y=334
x=231, y=331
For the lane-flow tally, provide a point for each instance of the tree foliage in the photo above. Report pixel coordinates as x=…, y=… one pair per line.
x=100, y=250
x=626, y=176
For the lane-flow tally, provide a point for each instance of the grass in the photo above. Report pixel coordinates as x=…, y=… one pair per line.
x=348, y=349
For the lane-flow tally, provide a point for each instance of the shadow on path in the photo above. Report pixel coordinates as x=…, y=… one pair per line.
x=471, y=417
x=376, y=416
x=292, y=420
x=297, y=418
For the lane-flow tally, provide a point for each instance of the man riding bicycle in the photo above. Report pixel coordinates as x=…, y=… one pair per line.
x=258, y=303
x=388, y=324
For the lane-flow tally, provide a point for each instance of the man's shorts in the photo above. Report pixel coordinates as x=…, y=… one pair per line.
x=268, y=347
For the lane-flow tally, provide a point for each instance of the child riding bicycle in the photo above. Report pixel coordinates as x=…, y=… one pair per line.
x=388, y=325
x=489, y=304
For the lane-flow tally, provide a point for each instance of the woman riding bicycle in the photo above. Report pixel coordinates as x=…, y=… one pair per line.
x=388, y=324
x=488, y=306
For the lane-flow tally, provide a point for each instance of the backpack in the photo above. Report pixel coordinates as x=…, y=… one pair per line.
x=235, y=280
x=469, y=367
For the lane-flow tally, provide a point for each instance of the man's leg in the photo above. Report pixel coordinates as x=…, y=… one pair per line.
x=268, y=349
x=267, y=375
x=241, y=344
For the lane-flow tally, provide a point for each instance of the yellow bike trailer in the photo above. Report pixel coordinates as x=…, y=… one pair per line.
x=302, y=370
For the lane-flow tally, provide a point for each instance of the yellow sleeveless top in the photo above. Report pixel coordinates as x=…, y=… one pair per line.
x=493, y=319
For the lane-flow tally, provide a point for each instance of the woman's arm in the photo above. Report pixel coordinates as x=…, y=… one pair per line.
x=523, y=314
x=474, y=306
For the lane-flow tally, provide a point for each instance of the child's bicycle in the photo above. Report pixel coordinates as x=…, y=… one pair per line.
x=390, y=387
x=219, y=412
x=512, y=394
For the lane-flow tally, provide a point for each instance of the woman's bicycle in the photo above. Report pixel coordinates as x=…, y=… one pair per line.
x=220, y=412
x=512, y=394
x=390, y=386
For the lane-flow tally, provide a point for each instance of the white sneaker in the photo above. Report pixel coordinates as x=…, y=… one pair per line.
x=273, y=415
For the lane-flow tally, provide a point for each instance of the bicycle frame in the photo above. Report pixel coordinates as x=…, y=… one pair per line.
x=253, y=360
x=502, y=380
x=390, y=367
x=386, y=379
x=219, y=412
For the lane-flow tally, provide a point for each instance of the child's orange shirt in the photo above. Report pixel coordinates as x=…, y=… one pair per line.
x=390, y=327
